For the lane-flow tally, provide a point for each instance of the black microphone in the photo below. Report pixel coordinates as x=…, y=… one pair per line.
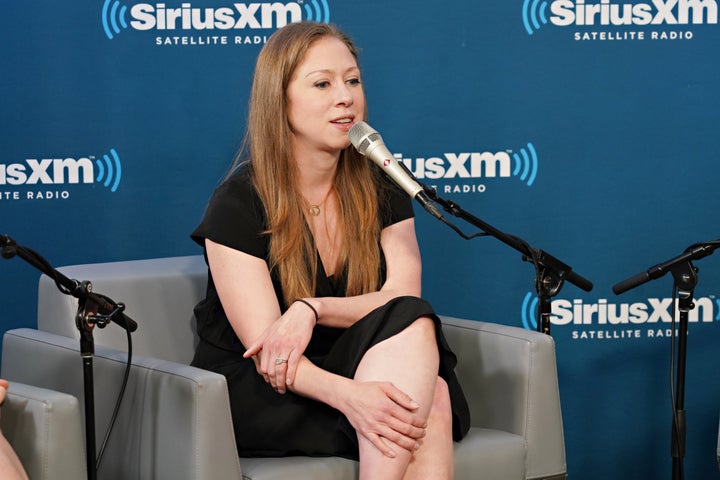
x=369, y=143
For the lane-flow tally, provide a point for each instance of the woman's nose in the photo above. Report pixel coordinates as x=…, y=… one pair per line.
x=344, y=96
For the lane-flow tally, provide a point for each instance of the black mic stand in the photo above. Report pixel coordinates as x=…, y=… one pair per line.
x=93, y=310
x=550, y=273
x=685, y=277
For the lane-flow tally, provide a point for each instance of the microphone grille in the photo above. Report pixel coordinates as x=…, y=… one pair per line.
x=361, y=135
x=366, y=141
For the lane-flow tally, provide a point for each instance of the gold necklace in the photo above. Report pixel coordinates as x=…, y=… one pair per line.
x=314, y=209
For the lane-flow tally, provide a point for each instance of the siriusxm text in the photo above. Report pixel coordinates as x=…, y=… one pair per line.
x=655, y=310
x=48, y=172
x=146, y=16
x=658, y=12
x=460, y=165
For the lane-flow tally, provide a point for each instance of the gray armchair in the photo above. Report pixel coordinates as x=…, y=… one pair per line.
x=175, y=419
x=45, y=430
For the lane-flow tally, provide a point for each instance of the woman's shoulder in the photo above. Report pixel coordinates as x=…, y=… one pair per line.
x=234, y=216
x=236, y=192
x=238, y=182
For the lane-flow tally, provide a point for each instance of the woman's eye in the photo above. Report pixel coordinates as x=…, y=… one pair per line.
x=354, y=81
x=323, y=84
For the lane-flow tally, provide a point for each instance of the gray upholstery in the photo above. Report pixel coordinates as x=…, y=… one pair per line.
x=175, y=420
x=45, y=430
x=172, y=420
x=160, y=295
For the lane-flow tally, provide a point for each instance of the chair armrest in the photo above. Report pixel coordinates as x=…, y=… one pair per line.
x=509, y=376
x=174, y=421
x=45, y=430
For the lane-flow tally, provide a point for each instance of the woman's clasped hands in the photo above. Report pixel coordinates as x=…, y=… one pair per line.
x=277, y=351
x=379, y=411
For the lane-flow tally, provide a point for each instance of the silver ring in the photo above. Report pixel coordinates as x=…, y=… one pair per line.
x=279, y=360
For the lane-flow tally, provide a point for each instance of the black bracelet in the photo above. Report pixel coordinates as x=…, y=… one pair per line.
x=317, y=317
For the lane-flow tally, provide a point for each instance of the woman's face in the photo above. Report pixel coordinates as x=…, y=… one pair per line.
x=325, y=98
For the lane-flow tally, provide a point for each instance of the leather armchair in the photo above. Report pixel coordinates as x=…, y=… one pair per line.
x=45, y=430
x=175, y=419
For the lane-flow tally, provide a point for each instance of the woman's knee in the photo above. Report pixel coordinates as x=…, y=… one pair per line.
x=441, y=407
x=424, y=325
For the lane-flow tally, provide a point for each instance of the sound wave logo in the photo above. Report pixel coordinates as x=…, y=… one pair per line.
x=533, y=15
x=529, y=310
x=113, y=13
x=319, y=12
x=109, y=170
x=526, y=164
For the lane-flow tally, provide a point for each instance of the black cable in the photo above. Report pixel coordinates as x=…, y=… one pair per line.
x=460, y=232
x=530, y=254
x=676, y=421
x=118, y=402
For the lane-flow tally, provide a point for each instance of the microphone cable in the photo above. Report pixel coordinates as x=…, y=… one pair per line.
x=118, y=402
x=676, y=420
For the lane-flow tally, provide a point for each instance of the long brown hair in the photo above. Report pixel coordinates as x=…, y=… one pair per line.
x=274, y=175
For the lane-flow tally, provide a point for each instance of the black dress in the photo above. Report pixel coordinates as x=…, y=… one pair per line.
x=268, y=424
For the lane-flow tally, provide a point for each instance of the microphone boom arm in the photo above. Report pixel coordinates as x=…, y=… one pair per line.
x=693, y=252
x=108, y=309
x=551, y=273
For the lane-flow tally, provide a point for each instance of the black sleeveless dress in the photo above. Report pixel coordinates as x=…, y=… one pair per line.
x=266, y=423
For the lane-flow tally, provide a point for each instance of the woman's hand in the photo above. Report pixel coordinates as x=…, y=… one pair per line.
x=281, y=345
x=384, y=415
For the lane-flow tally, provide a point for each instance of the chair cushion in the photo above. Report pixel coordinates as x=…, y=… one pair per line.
x=502, y=455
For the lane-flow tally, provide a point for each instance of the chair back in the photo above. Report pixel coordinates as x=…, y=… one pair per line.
x=159, y=294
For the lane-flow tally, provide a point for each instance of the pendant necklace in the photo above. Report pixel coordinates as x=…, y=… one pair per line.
x=314, y=209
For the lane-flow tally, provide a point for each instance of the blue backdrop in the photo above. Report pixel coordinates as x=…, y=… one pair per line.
x=585, y=127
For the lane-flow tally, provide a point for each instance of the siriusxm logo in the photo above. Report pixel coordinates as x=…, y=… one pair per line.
x=522, y=165
x=564, y=13
x=117, y=17
x=106, y=170
x=654, y=311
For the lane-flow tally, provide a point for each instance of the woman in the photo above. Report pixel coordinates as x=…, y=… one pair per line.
x=312, y=310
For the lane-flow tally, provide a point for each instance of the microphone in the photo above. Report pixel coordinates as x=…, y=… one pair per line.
x=369, y=143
